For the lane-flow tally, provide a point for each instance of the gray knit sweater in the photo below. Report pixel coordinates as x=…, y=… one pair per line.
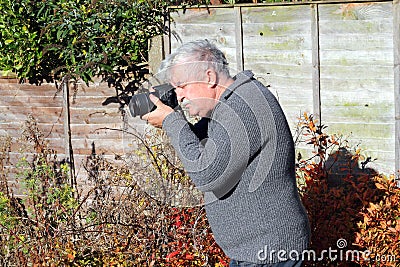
x=246, y=169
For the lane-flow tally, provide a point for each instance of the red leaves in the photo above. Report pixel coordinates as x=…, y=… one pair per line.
x=191, y=242
x=363, y=208
x=178, y=221
x=380, y=229
x=172, y=254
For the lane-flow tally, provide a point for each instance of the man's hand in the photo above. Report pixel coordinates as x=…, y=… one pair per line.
x=157, y=116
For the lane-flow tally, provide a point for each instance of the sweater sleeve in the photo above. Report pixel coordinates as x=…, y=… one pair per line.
x=217, y=164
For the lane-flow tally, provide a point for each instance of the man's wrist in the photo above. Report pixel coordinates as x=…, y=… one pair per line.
x=171, y=118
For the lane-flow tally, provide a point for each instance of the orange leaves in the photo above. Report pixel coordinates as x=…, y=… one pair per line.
x=362, y=207
x=190, y=241
x=380, y=229
x=373, y=208
x=380, y=186
x=172, y=254
x=70, y=257
x=310, y=132
x=312, y=126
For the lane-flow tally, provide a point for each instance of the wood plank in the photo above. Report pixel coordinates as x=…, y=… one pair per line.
x=302, y=71
x=356, y=42
x=346, y=85
x=224, y=34
x=375, y=138
x=14, y=90
x=15, y=129
x=275, y=14
x=32, y=101
x=50, y=101
x=382, y=131
x=202, y=15
x=379, y=25
x=353, y=113
x=54, y=114
x=363, y=71
x=78, y=131
x=84, y=146
x=255, y=40
x=377, y=57
x=396, y=61
x=8, y=81
x=42, y=114
x=356, y=11
x=95, y=116
x=285, y=82
x=274, y=30
x=50, y=90
x=285, y=57
x=16, y=157
x=110, y=147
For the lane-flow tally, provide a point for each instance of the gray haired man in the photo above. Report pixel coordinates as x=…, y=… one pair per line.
x=240, y=154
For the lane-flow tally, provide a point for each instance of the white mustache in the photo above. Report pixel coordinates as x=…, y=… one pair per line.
x=184, y=103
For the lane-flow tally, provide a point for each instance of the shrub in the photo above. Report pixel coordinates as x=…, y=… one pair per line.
x=46, y=40
x=379, y=229
x=340, y=197
x=117, y=221
x=111, y=222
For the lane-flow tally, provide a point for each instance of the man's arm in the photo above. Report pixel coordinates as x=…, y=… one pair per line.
x=217, y=165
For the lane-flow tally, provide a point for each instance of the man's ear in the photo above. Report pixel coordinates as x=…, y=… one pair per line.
x=211, y=78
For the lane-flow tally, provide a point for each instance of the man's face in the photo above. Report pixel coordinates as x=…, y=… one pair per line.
x=196, y=95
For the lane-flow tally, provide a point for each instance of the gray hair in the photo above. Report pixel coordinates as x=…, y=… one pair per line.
x=197, y=57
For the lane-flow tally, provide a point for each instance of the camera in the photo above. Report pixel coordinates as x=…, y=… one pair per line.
x=140, y=104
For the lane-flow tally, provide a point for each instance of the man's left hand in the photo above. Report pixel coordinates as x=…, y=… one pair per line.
x=157, y=116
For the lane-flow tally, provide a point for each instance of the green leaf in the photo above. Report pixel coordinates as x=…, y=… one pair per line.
x=97, y=30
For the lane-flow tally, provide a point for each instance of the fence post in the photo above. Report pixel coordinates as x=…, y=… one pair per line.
x=239, y=38
x=156, y=53
x=396, y=72
x=316, y=76
x=69, y=155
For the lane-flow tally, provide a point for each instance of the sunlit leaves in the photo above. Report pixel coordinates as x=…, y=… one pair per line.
x=86, y=38
x=363, y=208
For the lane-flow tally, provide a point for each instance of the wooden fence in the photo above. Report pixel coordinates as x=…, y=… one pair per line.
x=339, y=61
x=89, y=127
x=336, y=60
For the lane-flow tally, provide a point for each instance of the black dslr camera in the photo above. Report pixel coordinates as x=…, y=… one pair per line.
x=140, y=104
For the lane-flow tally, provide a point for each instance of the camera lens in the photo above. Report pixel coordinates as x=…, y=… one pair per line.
x=140, y=104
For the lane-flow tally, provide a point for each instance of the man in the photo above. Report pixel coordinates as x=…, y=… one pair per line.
x=241, y=155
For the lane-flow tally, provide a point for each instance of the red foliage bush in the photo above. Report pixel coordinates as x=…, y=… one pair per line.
x=346, y=204
x=379, y=229
x=116, y=222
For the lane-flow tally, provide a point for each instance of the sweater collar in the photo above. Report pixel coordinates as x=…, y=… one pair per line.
x=240, y=78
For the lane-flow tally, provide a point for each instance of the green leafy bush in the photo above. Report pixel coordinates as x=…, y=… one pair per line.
x=42, y=40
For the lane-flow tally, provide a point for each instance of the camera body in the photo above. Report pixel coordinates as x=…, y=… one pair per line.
x=140, y=104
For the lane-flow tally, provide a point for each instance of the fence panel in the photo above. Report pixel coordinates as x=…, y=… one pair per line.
x=332, y=59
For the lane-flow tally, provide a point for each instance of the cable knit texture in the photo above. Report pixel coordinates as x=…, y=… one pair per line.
x=246, y=169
